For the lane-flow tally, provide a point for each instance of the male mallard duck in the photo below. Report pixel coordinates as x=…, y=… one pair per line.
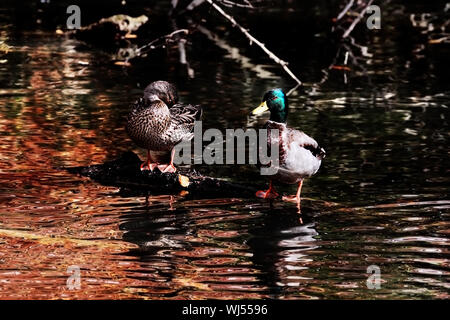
x=300, y=155
x=157, y=122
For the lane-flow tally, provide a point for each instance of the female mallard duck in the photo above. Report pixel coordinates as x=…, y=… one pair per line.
x=300, y=155
x=157, y=122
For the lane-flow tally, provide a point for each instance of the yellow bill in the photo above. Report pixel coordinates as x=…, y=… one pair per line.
x=262, y=107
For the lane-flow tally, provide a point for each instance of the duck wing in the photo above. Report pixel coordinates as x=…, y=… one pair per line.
x=183, y=118
x=185, y=115
x=300, y=155
x=303, y=140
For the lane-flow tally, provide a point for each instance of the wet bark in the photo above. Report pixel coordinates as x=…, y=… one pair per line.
x=125, y=173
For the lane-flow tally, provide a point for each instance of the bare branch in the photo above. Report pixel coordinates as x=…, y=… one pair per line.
x=194, y=4
x=152, y=44
x=293, y=89
x=182, y=50
x=357, y=20
x=252, y=39
x=231, y=4
x=343, y=12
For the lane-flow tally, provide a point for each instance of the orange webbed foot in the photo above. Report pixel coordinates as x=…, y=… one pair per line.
x=167, y=168
x=147, y=165
x=170, y=169
x=268, y=194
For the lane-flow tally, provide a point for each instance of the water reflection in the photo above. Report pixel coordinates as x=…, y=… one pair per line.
x=381, y=197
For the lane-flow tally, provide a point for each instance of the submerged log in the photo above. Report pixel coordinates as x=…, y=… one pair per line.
x=110, y=28
x=125, y=173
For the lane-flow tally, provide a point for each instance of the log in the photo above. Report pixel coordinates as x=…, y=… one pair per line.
x=109, y=30
x=125, y=173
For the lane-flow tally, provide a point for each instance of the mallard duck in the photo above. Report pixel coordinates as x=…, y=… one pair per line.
x=299, y=155
x=157, y=122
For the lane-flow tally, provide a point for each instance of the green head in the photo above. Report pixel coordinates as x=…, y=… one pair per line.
x=276, y=102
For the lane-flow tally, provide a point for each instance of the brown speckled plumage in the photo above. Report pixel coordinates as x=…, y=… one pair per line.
x=157, y=122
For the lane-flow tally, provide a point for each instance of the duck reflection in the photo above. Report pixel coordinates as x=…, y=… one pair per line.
x=221, y=248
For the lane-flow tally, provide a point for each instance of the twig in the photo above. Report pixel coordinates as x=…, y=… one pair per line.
x=231, y=4
x=151, y=46
x=183, y=60
x=355, y=59
x=343, y=12
x=254, y=40
x=293, y=89
x=357, y=20
x=194, y=4
x=182, y=51
x=181, y=43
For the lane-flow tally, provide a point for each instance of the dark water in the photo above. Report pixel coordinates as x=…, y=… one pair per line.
x=381, y=197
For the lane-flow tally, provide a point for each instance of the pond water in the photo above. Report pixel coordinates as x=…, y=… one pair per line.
x=380, y=198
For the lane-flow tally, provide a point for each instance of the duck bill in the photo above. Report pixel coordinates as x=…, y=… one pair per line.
x=262, y=108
